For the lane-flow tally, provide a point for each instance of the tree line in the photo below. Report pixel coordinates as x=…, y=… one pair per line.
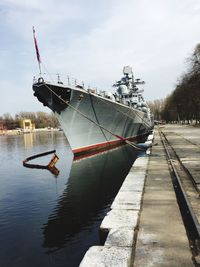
x=183, y=104
x=40, y=119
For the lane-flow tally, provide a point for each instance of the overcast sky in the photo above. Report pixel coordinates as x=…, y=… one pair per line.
x=92, y=41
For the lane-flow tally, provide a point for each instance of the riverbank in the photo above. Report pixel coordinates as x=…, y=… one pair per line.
x=147, y=224
x=20, y=131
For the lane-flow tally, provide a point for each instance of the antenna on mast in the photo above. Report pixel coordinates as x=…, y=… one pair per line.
x=37, y=50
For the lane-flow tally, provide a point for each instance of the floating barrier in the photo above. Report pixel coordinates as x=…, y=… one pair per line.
x=50, y=166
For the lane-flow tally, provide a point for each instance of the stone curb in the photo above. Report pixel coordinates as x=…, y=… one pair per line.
x=120, y=222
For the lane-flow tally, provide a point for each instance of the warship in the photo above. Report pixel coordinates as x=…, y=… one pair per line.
x=97, y=121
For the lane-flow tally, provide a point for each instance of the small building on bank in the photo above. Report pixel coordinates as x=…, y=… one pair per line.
x=27, y=125
x=3, y=128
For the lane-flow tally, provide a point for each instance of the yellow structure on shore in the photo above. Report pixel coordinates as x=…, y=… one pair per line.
x=27, y=125
x=3, y=128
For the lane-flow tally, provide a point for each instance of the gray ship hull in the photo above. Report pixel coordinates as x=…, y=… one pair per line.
x=89, y=121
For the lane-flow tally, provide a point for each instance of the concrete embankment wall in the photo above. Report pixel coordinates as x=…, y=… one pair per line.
x=120, y=223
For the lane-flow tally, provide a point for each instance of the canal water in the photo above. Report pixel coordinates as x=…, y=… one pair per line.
x=49, y=220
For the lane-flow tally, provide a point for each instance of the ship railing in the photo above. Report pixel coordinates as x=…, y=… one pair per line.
x=64, y=80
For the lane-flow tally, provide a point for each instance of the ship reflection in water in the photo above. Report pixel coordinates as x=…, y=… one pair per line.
x=92, y=185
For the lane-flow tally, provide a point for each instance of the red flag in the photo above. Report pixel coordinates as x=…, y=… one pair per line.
x=36, y=47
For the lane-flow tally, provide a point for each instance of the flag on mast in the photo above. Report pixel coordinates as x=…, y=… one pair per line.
x=36, y=49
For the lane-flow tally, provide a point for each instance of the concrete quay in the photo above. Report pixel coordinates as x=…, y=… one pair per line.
x=162, y=238
x=185, y=140
x=185, y=143
x=144, y=226
x=121, y=222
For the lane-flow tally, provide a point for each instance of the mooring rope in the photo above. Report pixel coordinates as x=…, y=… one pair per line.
x=126, y=114
x=97, y=124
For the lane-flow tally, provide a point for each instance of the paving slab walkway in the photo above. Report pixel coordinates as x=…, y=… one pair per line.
x=185, y=140
x=162, y=239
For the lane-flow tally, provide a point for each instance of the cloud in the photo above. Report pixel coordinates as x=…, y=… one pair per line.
x=94, y=40
x=153, y=38
x=46, y=15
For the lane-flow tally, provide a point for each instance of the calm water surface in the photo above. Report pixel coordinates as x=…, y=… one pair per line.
x=47, y=220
